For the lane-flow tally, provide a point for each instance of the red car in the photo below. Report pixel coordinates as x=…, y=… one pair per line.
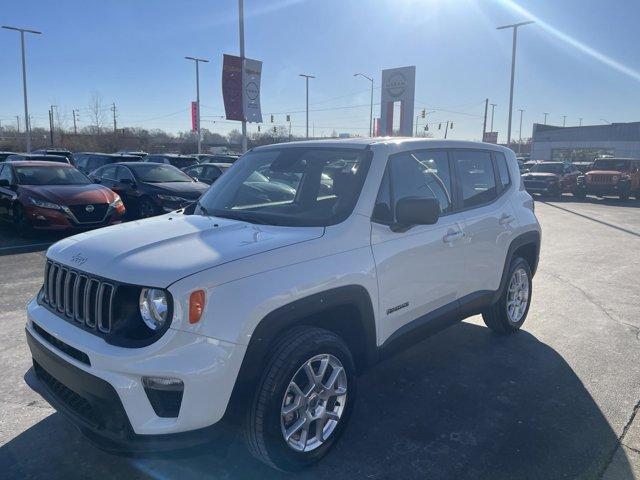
x=54, y=196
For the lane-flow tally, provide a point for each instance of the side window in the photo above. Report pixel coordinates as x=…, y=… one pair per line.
x=108, y=173
x=422, y=174
x=124, y=173
x=195, y=172
x=477, y=179
x=155, y=159
x=382, y=212
x=6, y=174
x=503, y=169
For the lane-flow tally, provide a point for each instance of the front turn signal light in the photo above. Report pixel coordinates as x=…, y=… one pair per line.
x=196, y=306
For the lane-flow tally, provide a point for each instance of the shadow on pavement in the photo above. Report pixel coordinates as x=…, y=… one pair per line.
x=463, y=404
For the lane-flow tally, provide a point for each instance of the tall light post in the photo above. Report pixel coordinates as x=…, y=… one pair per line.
x=515, y=27
x=546, y=114
x=241, y=31
x=520, y=132
x=493, y=107
x=27, y=120
x=307, y=77
x=564, y=120
x=371, y=109
x=197, y=62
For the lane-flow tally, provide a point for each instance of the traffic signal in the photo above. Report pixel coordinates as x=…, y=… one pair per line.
x=424, y=113
x=258, y=128
x=274, y=129
x=439, y=126
x=426, y=128
x=451, y=125
x=288, y=118
x=271, y=118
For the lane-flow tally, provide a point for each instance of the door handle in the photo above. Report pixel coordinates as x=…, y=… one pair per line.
x=506, y=219
x=453, y=235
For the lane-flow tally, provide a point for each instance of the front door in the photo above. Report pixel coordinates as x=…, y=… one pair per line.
x=422, y=268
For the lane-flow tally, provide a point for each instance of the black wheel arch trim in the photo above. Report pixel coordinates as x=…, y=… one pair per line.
x=522, y=240
x=297, y=313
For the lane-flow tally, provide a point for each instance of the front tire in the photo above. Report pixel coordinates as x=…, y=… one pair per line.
x=303, y=400
x=510, y=311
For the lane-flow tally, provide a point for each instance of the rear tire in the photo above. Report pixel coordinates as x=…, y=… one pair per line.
x=269, y=418
x=510, y=311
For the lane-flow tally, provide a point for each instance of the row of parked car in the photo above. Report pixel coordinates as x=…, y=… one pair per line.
x=617, y=177
x=59, y=190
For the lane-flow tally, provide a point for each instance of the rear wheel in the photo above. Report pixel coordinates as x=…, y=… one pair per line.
x=624, y=196
x=303, y=401
x=510, y=311
x=21, y=222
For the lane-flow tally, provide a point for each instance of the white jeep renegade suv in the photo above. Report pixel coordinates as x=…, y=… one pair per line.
x=259, y=305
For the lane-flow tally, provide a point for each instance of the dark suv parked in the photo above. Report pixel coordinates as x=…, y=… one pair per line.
x=178, y=161
x=57, y=151
x=37, y=157
x=88, y=162
x=551, y=178
x=149, y=189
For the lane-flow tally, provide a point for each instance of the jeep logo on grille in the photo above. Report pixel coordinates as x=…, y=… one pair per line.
x=79, y=259
x=89, y=208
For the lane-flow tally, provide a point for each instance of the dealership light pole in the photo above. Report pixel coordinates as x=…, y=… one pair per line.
x=307, y=77
x=241, y=30
x=197, y=62
x=520, y=132
x=546, y=114
x=564, y=120
x=513, y=69
x=493, y=107
x=27, y=120
x=371, y=109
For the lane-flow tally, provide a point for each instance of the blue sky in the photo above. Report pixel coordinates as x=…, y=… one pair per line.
x=579, y=60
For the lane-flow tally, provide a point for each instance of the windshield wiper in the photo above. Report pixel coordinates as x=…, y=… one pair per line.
x=243, y=217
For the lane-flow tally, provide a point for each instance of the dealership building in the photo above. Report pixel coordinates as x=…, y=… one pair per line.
x=582, y=144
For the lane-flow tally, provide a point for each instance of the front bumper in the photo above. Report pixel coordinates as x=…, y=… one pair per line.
x=602, y=189
x=50, y=219
x=540, y=187
x=107, y=400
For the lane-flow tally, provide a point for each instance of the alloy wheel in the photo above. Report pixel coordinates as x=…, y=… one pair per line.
x=517, y=295
x=313, y=403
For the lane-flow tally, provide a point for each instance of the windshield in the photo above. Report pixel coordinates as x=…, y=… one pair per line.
x=183, y=162
x=547, y=168
x=609, y=164
x=159, y=173
x=50, y=176
x=290, y=187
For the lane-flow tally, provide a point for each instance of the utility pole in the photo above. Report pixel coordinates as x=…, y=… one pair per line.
x=306, y=78
x=51, y=125
x=446, y=129
x=564, y=120
x=197, y=62
x=115, y=125
x=580, y=122
x=493, y=107
x=27, y=122
x=515, y=27
x=241, y=31
x=484, y=122
x=371, y=108
x=520, y=132
x=546, y=114
x=75, y=128
x=18, y=122
x=416, y=134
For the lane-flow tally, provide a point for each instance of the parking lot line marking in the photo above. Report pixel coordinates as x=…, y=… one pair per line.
x=602, y=222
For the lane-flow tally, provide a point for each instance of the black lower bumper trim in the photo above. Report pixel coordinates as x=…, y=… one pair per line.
x=95, y=408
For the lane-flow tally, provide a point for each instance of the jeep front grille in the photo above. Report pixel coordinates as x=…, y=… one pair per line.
x=600, y=179
x=78, y=296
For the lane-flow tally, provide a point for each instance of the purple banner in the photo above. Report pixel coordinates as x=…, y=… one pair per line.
x=232, y=87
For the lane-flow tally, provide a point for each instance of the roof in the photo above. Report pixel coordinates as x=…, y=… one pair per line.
x=362, y=143
x=172, y=155
x=38, y=163
x=620, y=132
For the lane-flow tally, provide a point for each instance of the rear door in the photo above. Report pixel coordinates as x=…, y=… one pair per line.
x=484, y=182
x=420, y=269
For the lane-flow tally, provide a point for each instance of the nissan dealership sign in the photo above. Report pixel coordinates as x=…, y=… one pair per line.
x=398, y=85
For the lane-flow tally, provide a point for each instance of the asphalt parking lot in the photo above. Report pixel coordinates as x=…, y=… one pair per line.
x=557, y=400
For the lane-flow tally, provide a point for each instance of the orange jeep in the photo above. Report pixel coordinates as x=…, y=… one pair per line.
x=611, y=177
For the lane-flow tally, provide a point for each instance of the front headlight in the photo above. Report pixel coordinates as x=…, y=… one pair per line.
x=44, y=204
x=153, y=308
x=117, y=204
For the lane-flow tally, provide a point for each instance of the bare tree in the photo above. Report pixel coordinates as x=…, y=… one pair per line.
x=97, y=111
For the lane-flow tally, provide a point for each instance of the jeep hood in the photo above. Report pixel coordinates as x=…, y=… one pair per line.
x=540, y=174
x=605, y=172
x=158, y=251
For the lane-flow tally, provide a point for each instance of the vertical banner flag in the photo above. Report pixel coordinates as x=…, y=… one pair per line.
x=194, y=116
x=252, y=72
x=232, y=87
x=398, y=85
x=241, y=88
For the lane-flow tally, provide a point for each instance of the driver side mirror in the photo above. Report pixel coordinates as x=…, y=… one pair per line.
x=4, y=183
x=412, y=211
